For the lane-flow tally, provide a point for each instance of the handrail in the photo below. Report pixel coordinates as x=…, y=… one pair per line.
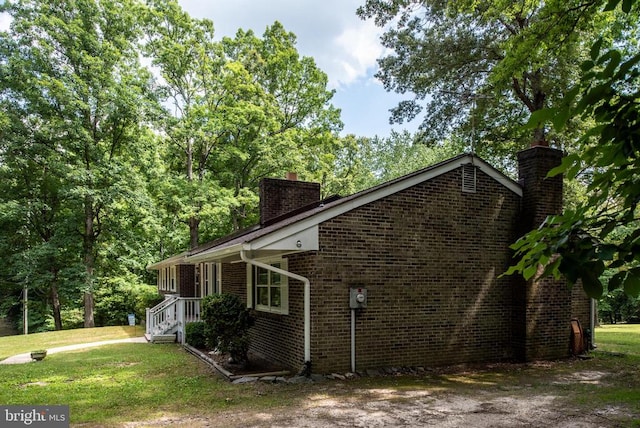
x=166, y=302
x=172, y=312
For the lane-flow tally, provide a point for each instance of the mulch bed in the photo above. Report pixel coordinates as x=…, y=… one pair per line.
x=256, y=364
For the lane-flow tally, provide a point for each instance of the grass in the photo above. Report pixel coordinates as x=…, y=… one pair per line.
x=624, y=338
x=12, y=345
x=117, y=384
x=114, y=384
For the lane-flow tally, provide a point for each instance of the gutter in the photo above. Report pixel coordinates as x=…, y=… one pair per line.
x=307, y=299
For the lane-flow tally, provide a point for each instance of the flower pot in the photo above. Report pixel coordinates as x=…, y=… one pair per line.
x=38, y=355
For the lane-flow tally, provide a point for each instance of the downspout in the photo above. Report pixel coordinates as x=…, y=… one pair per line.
x=307, y=300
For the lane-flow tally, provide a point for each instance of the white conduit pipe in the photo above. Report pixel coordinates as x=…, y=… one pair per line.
x=353, y=340
x=307, y=298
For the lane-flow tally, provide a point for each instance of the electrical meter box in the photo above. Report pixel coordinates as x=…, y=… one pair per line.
x=357, y=298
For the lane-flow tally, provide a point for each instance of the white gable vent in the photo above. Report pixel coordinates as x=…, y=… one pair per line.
x=469, y=178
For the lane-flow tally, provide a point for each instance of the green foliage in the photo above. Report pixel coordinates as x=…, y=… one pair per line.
x=195, y=334
x=227, y=323
x=242, y=108
x=477, y=69
x=618, y=306
x=604, y=233
x=122, y=296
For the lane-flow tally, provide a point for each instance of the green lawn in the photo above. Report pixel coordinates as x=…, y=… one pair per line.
x=12, y=345
x=118, y=384
x=114, y=384
x=624, y=338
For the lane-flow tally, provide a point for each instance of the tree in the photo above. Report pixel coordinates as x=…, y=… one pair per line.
x=481, y=68
x=194, y=79
x=603, y=235
x=293, y=127
x=242, y=108
x=72, y=67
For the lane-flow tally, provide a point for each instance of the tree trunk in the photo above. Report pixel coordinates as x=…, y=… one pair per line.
x=55, y=301
x=194, y=224
x=529, y=90
x=89, y=261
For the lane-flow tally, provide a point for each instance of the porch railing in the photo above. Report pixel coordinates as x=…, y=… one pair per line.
x=172, y=315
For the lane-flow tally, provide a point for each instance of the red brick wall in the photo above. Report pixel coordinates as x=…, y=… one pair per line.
x=429, y=257
x=278, y=197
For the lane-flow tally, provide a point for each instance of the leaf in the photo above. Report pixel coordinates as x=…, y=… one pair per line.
x=529, y=271
x=611, y=5
x=607, y=252
x=632, y=282
x=616, y=280
x=614, y=58
x=595, y=49
x=541, y=116
x=559, y=120
x=592, y=285
x=569, y=267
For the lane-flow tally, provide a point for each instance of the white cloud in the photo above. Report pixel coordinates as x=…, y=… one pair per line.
x=358, y=49
x=343, y=46
x=5, y=21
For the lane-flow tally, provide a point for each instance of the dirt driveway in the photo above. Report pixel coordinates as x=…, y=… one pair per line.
x=569, y=394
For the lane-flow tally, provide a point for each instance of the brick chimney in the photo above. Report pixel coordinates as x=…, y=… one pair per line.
x=542, y=308
x=279, y=197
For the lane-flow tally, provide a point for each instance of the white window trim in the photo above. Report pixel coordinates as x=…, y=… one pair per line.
x=211, y=276
x=173, y=280
x=284, y=288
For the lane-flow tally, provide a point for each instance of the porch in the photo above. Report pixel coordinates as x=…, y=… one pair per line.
x=166, y=321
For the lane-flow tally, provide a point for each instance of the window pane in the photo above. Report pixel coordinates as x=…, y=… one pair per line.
x=263, y=277
x=275, y=278
x=263, y=296
x=275, y=297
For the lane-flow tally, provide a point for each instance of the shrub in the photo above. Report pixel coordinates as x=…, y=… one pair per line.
x=227, y=323
x=194, y=334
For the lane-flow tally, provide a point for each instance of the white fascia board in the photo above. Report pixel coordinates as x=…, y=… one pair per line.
x=214, y=254
x=287, y=239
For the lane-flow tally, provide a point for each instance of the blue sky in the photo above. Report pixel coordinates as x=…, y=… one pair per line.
x=343, y=46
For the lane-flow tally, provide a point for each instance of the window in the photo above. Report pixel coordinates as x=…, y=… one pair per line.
x=210, y=278
x=163, y=276
x=173, y=278
x=270, y=289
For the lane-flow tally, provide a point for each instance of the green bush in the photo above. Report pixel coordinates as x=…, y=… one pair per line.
x=120, y=296
x=194, y=335
x=227, y=323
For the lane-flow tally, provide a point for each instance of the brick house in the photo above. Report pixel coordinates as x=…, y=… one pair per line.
x=424, y=251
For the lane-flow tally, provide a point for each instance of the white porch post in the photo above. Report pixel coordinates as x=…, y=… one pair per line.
x=181, y=323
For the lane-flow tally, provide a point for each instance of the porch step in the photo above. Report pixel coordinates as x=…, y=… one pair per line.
x=163, y=338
